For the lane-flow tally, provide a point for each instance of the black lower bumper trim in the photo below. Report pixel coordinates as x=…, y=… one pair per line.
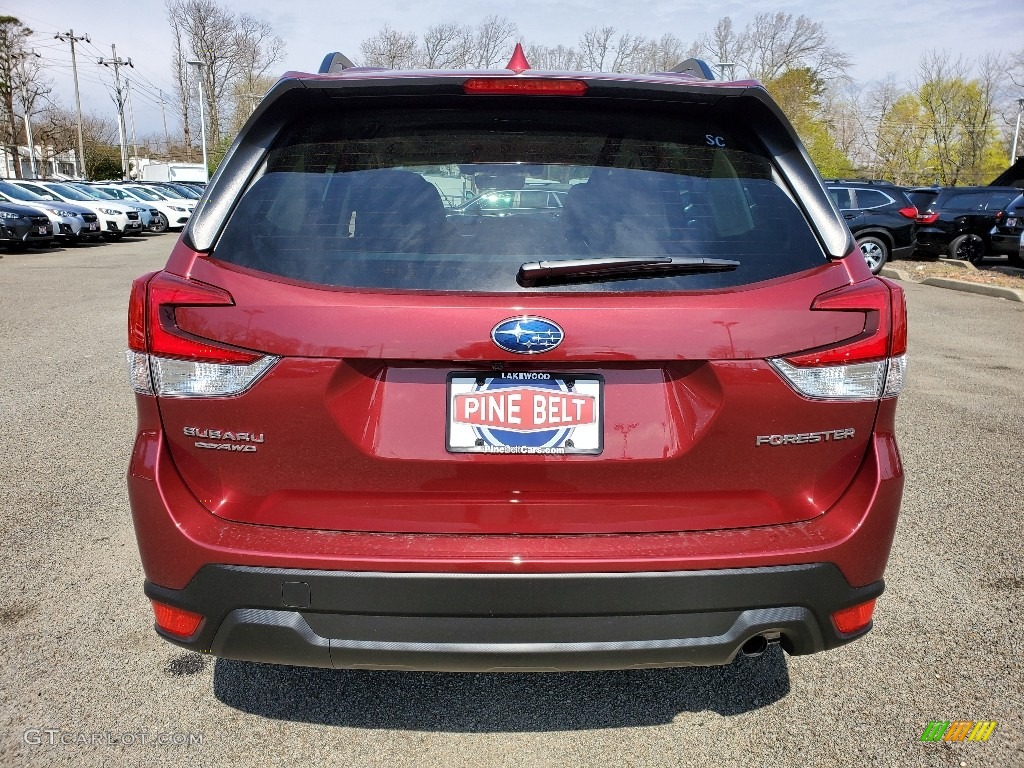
x=493, y=622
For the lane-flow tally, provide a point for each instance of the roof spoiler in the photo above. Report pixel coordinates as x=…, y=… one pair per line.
x=695, y=68
x=335, y=62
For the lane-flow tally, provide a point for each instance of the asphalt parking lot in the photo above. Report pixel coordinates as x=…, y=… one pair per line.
x=87, y=682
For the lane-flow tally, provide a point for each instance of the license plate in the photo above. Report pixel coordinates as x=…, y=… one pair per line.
x=42, y=230
x=93, y=225
x=1011, y=222
x=512, y=412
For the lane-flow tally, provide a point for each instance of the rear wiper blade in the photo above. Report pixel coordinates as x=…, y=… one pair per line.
x=617, y=268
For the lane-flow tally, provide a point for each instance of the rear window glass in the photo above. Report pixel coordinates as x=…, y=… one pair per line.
x=457, y=199
x=922, y=200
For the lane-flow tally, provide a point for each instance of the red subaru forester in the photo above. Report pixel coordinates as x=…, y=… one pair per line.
x=635, y=409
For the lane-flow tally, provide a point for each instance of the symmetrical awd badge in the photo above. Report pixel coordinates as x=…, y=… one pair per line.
x=527, y=335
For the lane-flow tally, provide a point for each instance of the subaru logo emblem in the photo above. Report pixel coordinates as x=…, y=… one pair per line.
x=527, y=335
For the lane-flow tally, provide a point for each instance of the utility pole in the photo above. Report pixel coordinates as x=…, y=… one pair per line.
x=131, y=114
x=117, y=63
x=163, y=114
x=1016, y=133
x=69, y=37
x=202, y=117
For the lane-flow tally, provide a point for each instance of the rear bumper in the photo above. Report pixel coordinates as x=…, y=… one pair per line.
x=459, y=601
x=501, y=622
x=1006, y=244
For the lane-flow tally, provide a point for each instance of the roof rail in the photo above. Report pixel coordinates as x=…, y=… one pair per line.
x=695, y=68
x=335, y=62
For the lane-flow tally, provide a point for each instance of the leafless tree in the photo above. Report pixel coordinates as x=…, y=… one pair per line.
x=443, y=47
x=493, y=40
x=391, y=49
x=22, y=83
x=773, y=43
x=232, y=49
x=559, y=57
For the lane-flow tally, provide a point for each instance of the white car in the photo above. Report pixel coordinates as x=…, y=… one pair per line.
x=150, y=216
x=176, y=213
x=72, y=223
x=118, y=219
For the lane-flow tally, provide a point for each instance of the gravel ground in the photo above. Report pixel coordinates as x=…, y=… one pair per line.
x=993, y=271
x=82, y=658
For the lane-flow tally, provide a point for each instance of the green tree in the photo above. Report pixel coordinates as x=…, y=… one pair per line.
x=958, y=112
x=798, y=92
x=102, y=161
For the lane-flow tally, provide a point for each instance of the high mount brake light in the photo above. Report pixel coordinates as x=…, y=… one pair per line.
x=515, y=86
x=165, y=360
x=869, y=366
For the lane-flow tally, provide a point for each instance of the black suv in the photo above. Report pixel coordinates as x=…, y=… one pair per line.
x=1006, y=234
x=957, y=221
x=881, y=217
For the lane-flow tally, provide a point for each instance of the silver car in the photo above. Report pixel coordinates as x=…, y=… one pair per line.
x=72, y=223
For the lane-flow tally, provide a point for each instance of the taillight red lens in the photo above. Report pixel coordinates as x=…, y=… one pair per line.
x=855, y=617
x=928, y=217
x=1000, y=215
x=872, y=297
x=176, y=621
x=909, y=212
x=167, y=291
x=899, y=318
x=524, y=86
x=137, y=313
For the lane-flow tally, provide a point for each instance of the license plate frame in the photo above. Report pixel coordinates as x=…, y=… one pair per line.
x=560, y=413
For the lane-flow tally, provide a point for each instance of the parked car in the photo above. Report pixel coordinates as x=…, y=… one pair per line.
x=71, y=223
x=117, y=220
x=513, y=202
x=179, y=191
x=957, y=221
x=881, y=217
x=1009, y=227
x=148, y=215
x=22, y=226
x=173, y=213
x=656, y=430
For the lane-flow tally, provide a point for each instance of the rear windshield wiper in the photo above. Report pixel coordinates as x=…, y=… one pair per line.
x=616, y=268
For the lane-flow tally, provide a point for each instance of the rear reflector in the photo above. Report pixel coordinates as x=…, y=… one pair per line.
x=854, y=618
x=176, y=621
x=524, y=86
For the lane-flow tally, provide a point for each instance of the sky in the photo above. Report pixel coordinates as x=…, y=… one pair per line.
x=883, y=38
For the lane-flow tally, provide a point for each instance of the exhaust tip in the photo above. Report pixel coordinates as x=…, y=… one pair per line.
x=755, y=646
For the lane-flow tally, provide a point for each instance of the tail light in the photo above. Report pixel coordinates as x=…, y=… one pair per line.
x=1000, y=216
x=165, y=360
x=910, y=212
x=869, y=366
x=928, y=217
